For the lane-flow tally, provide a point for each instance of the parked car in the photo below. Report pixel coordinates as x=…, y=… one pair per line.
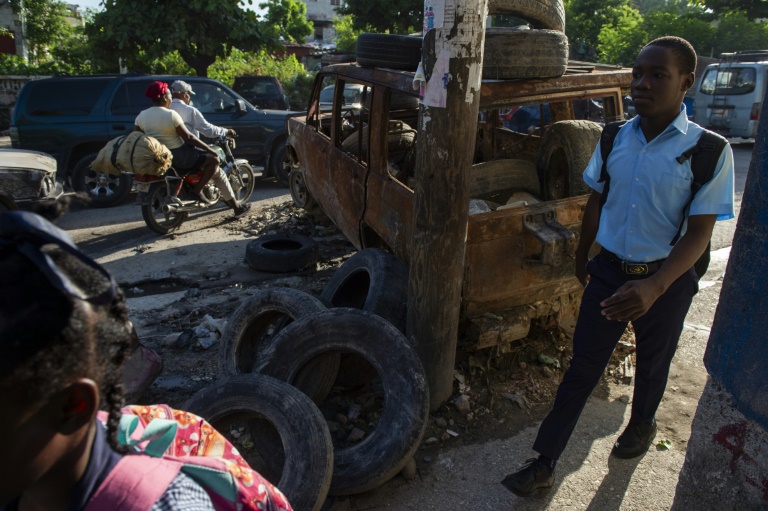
x=72, y=117
x=359, y=167
x=352, y=96
x=262, y=91
x=26, y=178
x=730, y=94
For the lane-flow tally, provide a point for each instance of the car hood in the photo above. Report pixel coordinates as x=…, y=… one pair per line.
x=21, y=159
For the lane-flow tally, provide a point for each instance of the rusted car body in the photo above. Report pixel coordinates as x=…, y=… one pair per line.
x=27, y=177
x=519, y=257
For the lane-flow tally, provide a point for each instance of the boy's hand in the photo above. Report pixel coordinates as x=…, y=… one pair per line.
x=631, y=300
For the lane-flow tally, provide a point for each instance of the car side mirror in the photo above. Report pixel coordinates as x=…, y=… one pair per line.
x=241, y=106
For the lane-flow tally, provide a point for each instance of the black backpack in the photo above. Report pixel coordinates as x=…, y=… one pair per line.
x=704, y=156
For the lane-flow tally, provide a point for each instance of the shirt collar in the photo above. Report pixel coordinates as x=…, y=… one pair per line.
x=680, y=123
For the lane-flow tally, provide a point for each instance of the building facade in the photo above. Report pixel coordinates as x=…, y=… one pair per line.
x=322, y=14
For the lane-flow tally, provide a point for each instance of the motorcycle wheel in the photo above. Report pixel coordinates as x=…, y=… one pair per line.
x=152, y=211
x=242, y=191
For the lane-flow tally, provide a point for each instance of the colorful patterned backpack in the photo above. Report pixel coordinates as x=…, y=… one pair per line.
x=176, y=441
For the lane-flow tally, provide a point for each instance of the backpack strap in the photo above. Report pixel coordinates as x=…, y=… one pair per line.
x=115, y=147
x=610, y=131
x=134, y=484
x=704, y=156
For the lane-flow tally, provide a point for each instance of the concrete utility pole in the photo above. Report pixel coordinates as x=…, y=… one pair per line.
x=452, y=56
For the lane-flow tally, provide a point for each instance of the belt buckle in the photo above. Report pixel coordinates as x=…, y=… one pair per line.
x=634, y=268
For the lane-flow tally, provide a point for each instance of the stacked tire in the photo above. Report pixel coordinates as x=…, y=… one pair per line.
x=536, y=50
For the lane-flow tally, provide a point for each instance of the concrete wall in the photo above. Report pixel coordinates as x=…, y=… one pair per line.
x=726, y=463
x=9, y=89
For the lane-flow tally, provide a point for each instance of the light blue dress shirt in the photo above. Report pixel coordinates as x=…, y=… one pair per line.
x=194, y=120
x=649, y=189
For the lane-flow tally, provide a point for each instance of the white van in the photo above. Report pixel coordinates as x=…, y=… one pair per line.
x=730, y=94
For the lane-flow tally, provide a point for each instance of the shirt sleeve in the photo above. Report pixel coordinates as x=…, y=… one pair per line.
x=183, y=494
x=205, y=127
x=716, y=197
x=592, y=172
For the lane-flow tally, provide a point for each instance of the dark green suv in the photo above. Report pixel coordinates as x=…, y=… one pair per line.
x=72, y=117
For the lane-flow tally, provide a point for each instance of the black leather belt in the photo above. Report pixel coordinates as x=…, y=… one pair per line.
x=631, y=268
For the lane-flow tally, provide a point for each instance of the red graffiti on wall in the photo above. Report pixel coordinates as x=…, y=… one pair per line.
x=733, y=437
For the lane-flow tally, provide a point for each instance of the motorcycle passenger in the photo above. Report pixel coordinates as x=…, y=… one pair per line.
x=189, y=152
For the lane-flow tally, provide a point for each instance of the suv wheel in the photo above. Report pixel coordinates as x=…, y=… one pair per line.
x=281, y=166
x=103, y=189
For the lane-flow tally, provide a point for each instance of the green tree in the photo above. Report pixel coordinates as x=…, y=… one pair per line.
x=44, y=25
x=620, y=43
x=286, y=20
x=585, y=20
x=752, y=8
x=698, y=32
x=201, y=31
x=346, y=34
x=393, y=16
x=736, y=32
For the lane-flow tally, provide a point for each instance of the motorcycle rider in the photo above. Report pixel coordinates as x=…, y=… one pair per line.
x=189, y=152
x=193, y=119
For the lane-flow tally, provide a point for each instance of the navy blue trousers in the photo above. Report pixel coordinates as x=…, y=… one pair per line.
x=657, y=333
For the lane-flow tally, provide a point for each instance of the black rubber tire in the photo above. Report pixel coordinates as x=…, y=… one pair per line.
x=306, y=474
x=255, y=323
x=299, y=193
x=389, y=51
x=565, y=150
x=242, y=195
x=515, y=53
x=372, y=280
x=280, y=253
x=279, y=164
x=499, y=175
x=151, y=211
x=103, y=189
x=548, y=14
x=386, y=450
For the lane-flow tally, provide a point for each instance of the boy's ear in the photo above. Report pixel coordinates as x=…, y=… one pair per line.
x=77, y=405
x=688, y=81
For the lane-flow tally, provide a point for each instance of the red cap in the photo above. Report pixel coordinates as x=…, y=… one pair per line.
x=156, y=90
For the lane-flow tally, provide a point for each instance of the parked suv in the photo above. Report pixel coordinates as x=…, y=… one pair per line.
x=262, y=91
x=72, y=117
x=527, y=193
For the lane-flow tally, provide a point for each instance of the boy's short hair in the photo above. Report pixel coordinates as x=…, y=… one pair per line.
x=683, y=50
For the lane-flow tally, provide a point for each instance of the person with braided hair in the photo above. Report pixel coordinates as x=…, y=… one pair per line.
x=64, y=336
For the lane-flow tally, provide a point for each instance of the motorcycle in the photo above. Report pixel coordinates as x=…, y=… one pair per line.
x=168, y=200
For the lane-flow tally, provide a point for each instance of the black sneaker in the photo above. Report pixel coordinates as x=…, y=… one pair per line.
x=242, y=210
x=635, y=440
x=535, y=475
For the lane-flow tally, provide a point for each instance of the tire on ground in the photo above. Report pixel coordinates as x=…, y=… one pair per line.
x=389, y=51
x=103, y=189
x=547, y=14
x=255, y=323
x=500, y=175
x=564, y=153
x=306, y=442
x=280, y=253
x=386, y=450
x=514, y=53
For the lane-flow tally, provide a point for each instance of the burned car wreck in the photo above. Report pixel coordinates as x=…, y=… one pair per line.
x=27, y=178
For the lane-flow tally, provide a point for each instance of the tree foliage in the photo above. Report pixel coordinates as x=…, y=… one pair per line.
x=199, y=30
x=385, y=16
x=585, y=20
x=736, y=32
x=752, y=8
x=620, y=43
x=44, y=25
x=346, y=34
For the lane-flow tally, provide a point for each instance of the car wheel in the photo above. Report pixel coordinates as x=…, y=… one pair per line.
x=299, y=193
x=280, y=253
x=103, y=189
x=281, y=166
x=385, y=450
x=259, y=404
x=389, y=51
x=515, y=53
x=565, y=151
x=548, y=14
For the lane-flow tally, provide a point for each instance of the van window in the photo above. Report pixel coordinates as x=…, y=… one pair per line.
x=730, y=82
x=44, y=97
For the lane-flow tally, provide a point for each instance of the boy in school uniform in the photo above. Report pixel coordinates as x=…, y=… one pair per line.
x=639, y=276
